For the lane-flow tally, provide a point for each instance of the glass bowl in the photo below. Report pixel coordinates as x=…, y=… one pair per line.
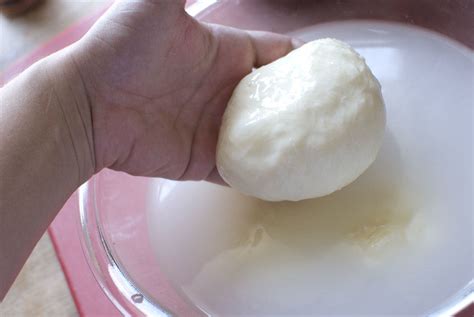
x=114, y=206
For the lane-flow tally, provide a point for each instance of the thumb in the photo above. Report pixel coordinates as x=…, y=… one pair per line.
x=270, y=46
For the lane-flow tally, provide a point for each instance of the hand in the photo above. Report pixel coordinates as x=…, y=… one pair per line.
x=143, y=92
x=158, y=82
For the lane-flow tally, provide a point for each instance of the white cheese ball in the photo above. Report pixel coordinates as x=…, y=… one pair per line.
x=303, y=126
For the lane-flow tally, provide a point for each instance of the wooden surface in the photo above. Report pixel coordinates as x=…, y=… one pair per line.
x=40, y=289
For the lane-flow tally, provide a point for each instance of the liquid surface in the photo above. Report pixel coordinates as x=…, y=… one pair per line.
x=398, y=240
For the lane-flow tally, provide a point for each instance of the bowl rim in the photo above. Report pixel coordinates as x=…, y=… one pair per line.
x=113, y=280
x=130, y=300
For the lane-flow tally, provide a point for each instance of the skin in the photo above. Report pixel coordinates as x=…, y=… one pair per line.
x=143, y=92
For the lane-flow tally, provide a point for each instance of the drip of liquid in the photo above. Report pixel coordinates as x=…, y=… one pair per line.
x=396, y=241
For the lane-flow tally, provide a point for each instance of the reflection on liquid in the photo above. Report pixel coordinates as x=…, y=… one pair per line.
x=222, y=238
x=372, y=214
x=369, y=212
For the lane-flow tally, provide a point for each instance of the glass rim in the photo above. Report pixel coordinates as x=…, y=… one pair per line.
x=127, y=296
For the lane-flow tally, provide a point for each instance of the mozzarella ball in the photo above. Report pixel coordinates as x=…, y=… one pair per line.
x=303, y=126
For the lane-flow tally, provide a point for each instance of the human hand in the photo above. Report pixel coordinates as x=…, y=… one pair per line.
x=143, y=92
x=158, y=82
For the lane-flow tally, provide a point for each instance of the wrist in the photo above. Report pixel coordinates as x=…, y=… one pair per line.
x=72, y=98
x=46, y=152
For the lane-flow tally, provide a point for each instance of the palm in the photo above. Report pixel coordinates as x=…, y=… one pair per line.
x=159, y=82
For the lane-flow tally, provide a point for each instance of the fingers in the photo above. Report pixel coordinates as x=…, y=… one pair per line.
x=215, y=178
x=270, y=46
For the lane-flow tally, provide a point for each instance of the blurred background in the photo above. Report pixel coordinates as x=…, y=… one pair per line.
x=22, y=32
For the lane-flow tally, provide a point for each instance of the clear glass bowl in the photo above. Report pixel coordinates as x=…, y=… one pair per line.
x=113, y=205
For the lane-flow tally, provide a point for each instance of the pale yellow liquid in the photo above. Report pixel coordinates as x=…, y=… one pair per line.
x=399, y=240
x=231, y=254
